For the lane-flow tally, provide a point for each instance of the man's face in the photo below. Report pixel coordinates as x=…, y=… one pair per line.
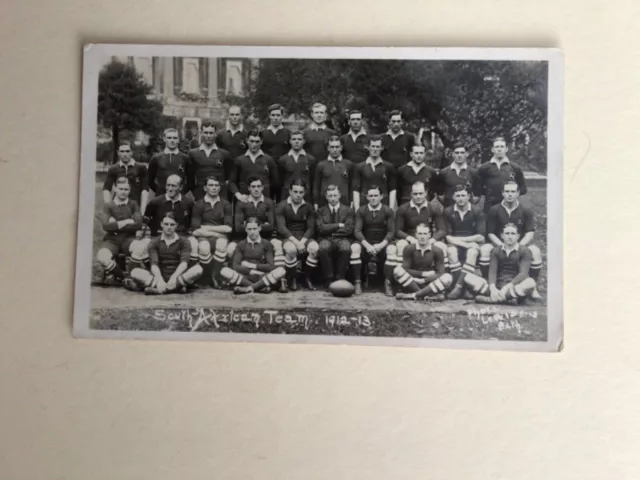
x=297, y=194
x=171, y=140
x=254, y=144
x=510, y=236
x=208, y=135
x=319, y=115
x=333, y=197
x=253, y=231
x=355, y=122
x=212, y=188
x=234, y=116
x=256, y=188
x=275, y=117
x=461, y=198
x=172, y=186
x=423, y=235
x=460, y=155
x=375, y=148
x=374, y=197
x=418, y=194
x=417, y=154
x=124, y=153
x=335, y=148
x=510, y=193
x=122, y=191
x=499, y=149
x=296, y=141
x=395, y=123
x=168, y=226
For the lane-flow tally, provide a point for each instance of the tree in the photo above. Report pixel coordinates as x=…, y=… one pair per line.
x=124, y=103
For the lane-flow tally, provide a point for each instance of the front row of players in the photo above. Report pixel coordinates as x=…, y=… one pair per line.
x=191, y=244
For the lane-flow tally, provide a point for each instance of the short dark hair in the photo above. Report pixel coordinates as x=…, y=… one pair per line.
x=123, y=179
x=462, y=187
x=254, y=179
x=298, y=182
x=354, y=112
x=170, y=215
x=510, y=225
x=374, y=187
x=124, y=142
x=208, y=124
x=457, y=145
x=423, y=225
x=209, y=178
x=499, y=139
x=275, y=106
x=373, y=138
x=394, y=113
x=254, y=133
x=255, y=220
x=334, y=138
x=296, y=132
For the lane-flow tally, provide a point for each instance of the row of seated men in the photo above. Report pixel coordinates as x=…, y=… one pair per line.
x=420, y=252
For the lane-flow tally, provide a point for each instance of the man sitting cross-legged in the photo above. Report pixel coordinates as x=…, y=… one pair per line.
x=422, y=274
x=509, y=269
x=169, y=257
x=252, y=269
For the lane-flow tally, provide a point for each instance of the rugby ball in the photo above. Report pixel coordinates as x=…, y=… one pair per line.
x=341, y=288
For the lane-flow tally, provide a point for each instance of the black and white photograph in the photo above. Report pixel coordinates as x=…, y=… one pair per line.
x=365, y=196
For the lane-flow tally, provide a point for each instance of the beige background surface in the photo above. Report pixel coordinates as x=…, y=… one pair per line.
x=73, y=409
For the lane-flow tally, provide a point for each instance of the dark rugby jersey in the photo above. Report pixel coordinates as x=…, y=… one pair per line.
x=164, y=164
x=235, y=143
x=408, y=217
x=259, y=253
x=407, y=176
x=168, y=255
x=354, y=150
x=493, y=178
x=464, y=225
x=275, y=144
x=295, y=223
x=263, y=210
x=449, y=178
x=374, y=226
x=327, y=223
x=397, y=150
x=161, y=205
x=292, y=169
x=329, y=172
x=264, y=168
x=124, y=211
x=498, y=217
x=218, y=164
x=509, y=267
x=135, y=172
x=206, y=214
x=416, y=262
x=383, y=174
x=315, y=142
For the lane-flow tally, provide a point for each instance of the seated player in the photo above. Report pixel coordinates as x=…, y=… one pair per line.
x=121, y=219
x=422, y=273
x=295, y=225
x=374, y=171
x=169, y=257
x=373, y=231
x=509, y=271
x=334, y=170
x=296, y=164
x=334, y=223
x=252, y=268
x=415, y=171
x=465, y=228
x=211, y=226
x=511, y=211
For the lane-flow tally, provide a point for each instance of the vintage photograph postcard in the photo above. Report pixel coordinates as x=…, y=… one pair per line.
x=369, y=196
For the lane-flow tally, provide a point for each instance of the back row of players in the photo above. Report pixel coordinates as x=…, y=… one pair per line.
x=315, y=202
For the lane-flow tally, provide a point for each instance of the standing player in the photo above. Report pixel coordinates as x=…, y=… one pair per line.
x=335, y=170
x=512, y=212
x=316, y=136
x=252, y=264
x=295, y=223
x=254, y=163
x=374, y=171
x=355, y=141
x=211, y=226
x=422, y=273
x=396, y=144
x=257, y=206
x=275, y=139
x=297, y=164
x=208, y=161
x=169, y=257
x=373, y=232
x=415, y=171
x=233, y=138
x=170, y=161
x=121, y=219
x=498, y=171
x=334, y=223
x=465, y=228
x=509, y=272
x=458, y=173
x=134, y=171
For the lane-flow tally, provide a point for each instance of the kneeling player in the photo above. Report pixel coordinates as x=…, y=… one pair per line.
x=508, y=272
x=252, y=269
x=169, y=257
x=295, y=224
x=422, y=273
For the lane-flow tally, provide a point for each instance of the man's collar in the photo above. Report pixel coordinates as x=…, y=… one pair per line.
x=457, y=167
x=256, y=202
x=252, y=242
x=293, y=153
x=413, y=205
x=373, y=162
x=318, y=127
x=178, y=198
x=230, y=128
x=274, y=129
x=293, y=205
x=131, y=163
x=168, y=240
x=173, y=152
x=355, y=135
x=510, y=209
x=332, y=208
x=498, y=162
x=395, y=135
x=258, y=154
x=509, y=250
x=467, y=210
x=204, y=148
x=371, y=209
x=425, y=249
x=331, y=159
x=415, y=166
x=211, y=200
x=119, y=202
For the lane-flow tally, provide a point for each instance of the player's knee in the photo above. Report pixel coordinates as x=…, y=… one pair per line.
x=221, y=245
x=278, y=272
x=139, y=274
x=195, y=271
x=452, y=252
x=356, y=250
x=277, y=245
x=138, y=249
x=290, y=250
x=536, y=254
x=193, y=243
x=104, y=256
x=344, y=247
x=400, y=246
x=226, y=273
x=204, y=249
x=472, y=253
x=485, y=250
x=528, y=284
x=231, y=248
x=312, y=248
x=398, y=272
x=446, y=279
x=391, y=251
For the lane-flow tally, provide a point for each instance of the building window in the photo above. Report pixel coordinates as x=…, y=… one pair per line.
x=203, y=75
x=222, y=76
x=177, y=75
